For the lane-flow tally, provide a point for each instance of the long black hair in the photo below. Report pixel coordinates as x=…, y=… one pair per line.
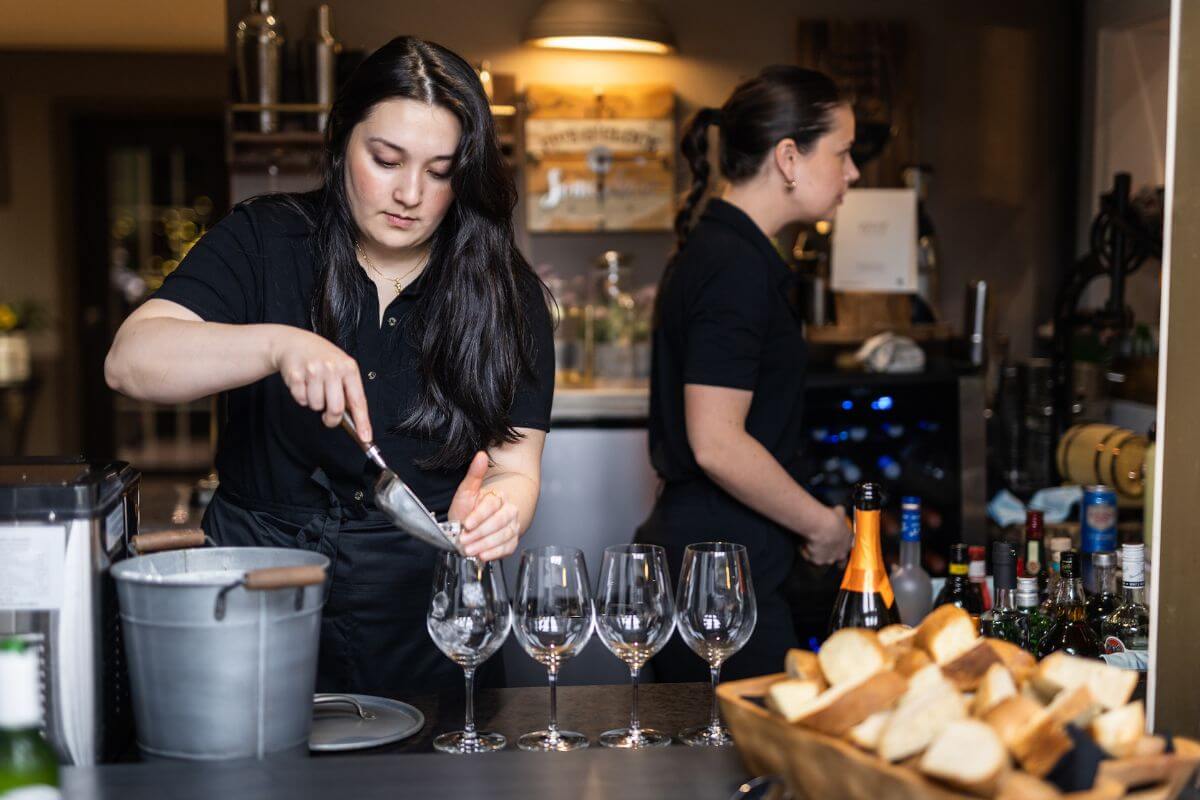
x=469, y=324
x=781, y=102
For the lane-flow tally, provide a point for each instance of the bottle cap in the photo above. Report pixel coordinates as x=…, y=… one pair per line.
x=20, y=695
x=958, y=553
x=910, y=501
x=1034, y=521
x=1004, y=565
x=868, y=496
x=1066, y=563
x=1104, y=559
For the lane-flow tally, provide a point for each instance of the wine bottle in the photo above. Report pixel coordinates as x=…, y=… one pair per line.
x=1027, y=603
x=27, y=764
x=1007, y=621
x=865, y=599
x=914, y=591
x=1035, y=554
x=1070, y=632
x=957, y=590
x=977, y=571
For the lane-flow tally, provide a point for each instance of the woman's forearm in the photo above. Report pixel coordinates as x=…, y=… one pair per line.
x=740, y=465
x=169, y=360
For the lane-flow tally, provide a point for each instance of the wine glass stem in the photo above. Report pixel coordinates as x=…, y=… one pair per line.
x=469, y=726
x=635, y=725
x=553, y=727
x=715, y=720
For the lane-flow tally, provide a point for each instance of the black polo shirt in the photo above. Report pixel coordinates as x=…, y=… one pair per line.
x=725, y=320
x=257, y=266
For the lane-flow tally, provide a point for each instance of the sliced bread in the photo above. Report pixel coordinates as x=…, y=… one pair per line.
x=850, y=655
x=805, y=666
x=1057, y=671
x=919, y=718
x=1119, y=731
x=997, y=684
x=969, y=756
x=967, y=669
x=838, y=709
x=866, y=733
x=790, y=698
x=947, y=632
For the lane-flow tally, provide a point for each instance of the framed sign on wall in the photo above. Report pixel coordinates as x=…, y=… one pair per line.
x=599, y=160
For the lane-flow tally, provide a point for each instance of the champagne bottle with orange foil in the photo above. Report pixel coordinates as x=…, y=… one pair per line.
x=865, y=599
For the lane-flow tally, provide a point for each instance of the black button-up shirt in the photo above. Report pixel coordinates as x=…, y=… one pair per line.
x=257, y=266
x=725, y=320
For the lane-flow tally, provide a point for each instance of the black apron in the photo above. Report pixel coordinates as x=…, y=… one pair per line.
x=373, y=635
x=699, y=511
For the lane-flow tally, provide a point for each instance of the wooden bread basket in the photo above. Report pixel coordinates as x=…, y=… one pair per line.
x=821, y=767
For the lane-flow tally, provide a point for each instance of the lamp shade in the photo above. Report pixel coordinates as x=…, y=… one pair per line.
x=623, y=25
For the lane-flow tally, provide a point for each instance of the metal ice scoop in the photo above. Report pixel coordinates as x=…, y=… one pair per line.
x=401, y=504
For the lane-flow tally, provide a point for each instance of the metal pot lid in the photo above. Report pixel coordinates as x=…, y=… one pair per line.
x=359, y=721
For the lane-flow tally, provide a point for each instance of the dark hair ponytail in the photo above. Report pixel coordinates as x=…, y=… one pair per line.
x=782, y=102
x=694, y=147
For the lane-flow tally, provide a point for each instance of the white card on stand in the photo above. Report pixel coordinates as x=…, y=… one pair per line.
x=875, y=242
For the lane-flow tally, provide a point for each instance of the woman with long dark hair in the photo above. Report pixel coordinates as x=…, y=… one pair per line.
x=395, y=294
x=729, y=353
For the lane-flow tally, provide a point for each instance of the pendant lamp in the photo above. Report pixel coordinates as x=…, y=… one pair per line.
x=631, y=26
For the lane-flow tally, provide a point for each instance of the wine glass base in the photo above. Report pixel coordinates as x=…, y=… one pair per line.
x=543, y=741
x=625, y=739
x=706, y=736
x=459, y=743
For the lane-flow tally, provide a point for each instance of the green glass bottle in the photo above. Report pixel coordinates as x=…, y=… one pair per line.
x=1007, y=622
x=1027, y=604
x=28, y=768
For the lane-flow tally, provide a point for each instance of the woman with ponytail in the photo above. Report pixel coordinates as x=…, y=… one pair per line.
x=729, y=354
x=394, y=294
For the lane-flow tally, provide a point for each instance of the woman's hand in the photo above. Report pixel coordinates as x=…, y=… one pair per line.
x=322, y=377
x=828, y=541
x=490, y=526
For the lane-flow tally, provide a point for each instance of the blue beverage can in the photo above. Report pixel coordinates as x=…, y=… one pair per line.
x=1098, y=520
x=910, y=519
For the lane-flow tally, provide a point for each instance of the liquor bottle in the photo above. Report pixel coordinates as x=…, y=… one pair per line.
x=1055, y=546
x=957, y=590
x=977, y=571
x=28, y=767
x=1105, y=599
x=1070, y=632
x=1027, y=604
x=1035, y=556
x=1128, y=627
x=914, y=590
x=865, y=599
x=1006, y=620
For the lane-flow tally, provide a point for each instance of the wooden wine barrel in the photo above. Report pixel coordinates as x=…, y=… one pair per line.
x=1097, y=453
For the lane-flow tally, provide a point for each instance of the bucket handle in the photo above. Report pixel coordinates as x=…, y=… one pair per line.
x=162, y=541
x=270, y=578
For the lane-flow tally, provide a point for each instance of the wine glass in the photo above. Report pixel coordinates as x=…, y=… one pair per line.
x=635, y=616
x=469, y=618
x=716, y=615
x=553, y=618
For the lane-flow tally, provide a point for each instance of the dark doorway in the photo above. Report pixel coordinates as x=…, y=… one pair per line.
x=146, y=189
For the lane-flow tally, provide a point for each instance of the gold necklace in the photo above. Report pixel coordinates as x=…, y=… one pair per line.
x=397, y=282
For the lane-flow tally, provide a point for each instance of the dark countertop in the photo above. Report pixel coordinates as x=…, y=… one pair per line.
x=410, y=769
